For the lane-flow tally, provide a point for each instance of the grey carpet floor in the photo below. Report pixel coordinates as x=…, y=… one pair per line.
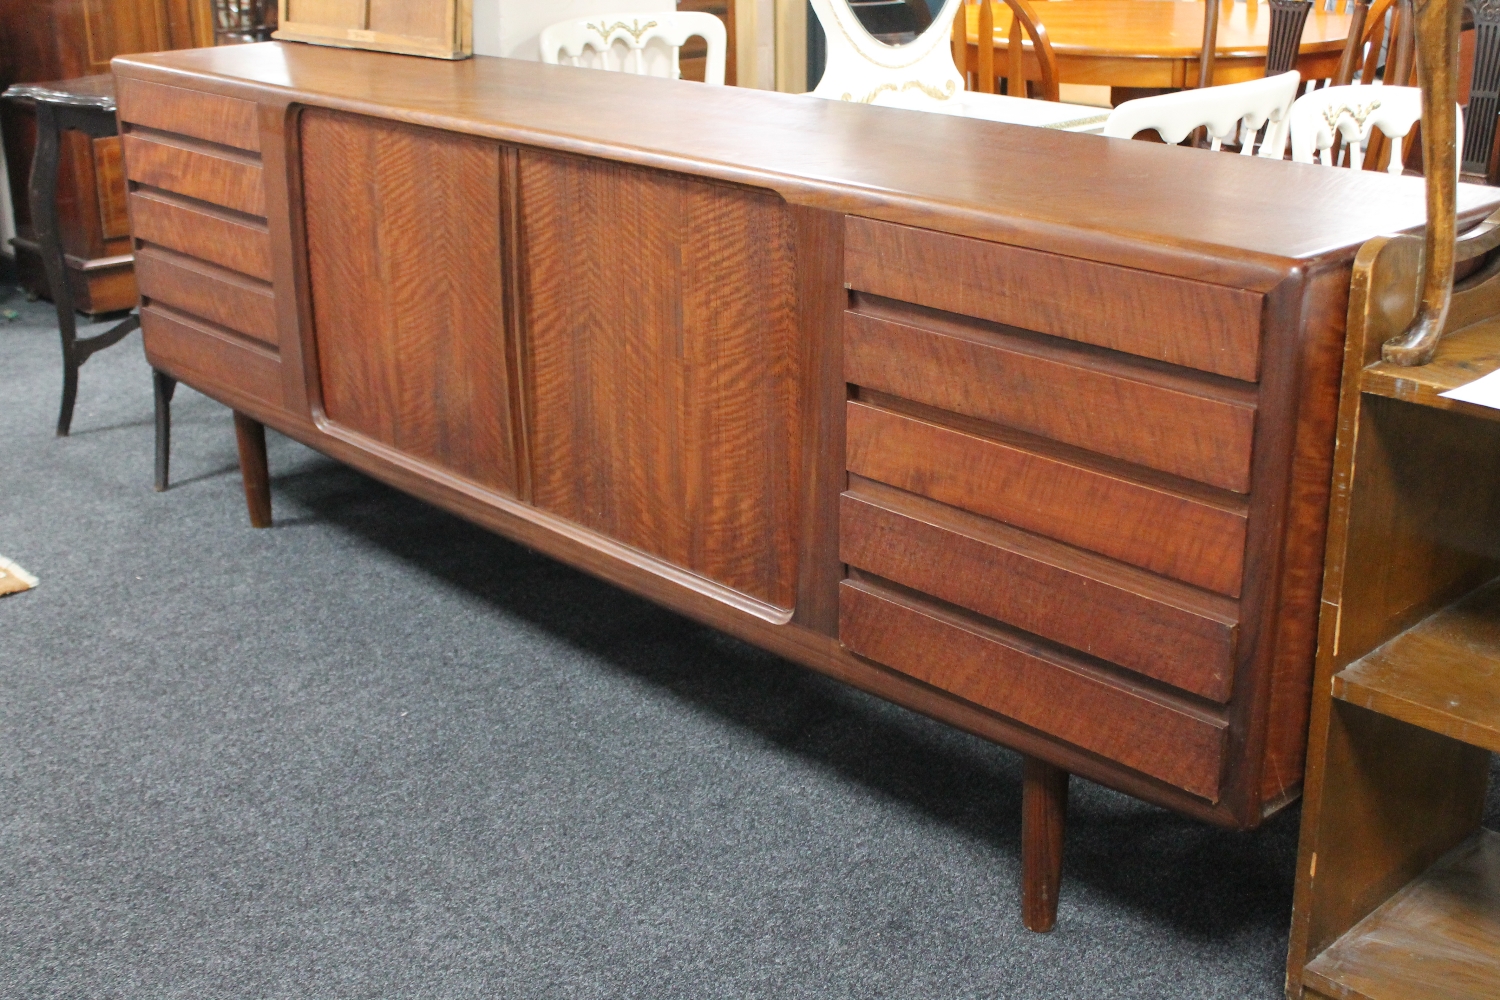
x=377, y=752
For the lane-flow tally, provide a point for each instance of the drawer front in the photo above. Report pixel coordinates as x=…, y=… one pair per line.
x=1036, y=686
x=206, y=173
x=224, y=120
x=1190, y=323
x=1173, y=634
x=1178, y=536
x=221, y=296
x=235, y=242
x=1013, y=382
x=209, y=358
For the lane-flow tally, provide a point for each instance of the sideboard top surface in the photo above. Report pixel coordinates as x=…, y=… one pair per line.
x=1135, y=203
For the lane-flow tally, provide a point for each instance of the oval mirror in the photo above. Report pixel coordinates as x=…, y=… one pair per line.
x=894, y=52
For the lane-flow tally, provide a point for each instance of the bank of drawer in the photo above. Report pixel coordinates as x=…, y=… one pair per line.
x=1161, y=423
x=1198, y=325
x=209, y=357
x=1183, y=537
x=1169, y=632
x=1036, y=686
x=233, y=241
x=224, y=120
x=216, y=294
x=218, y=176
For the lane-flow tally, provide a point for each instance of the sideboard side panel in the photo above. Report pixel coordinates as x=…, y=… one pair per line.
x=662, y=363
x=405, y=267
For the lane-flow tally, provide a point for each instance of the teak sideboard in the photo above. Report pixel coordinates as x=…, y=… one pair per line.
x=1027, y=431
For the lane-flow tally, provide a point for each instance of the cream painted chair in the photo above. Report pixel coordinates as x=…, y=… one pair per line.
x=644, y=44
x=1235, y=111
x=1323, y=116
x=919, y=74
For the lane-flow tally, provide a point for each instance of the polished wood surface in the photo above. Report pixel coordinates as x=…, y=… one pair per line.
x=405, y=260
x=1199, y=429
x=1172, y=633
x=750, y=369
x=1157, y=43
x=1044, y=806
x=662, y=407
x=1405, y=685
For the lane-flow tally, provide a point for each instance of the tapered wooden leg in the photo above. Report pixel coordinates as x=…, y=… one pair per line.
x=164, y=386
x=1044, y=815
x=251, y=435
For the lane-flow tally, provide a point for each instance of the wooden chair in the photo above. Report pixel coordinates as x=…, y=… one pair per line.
x=652, y=43
x=84, y=105
x=978, y=64
x=1234, y=112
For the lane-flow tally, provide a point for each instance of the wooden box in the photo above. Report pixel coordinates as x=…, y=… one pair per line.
x=441, y=29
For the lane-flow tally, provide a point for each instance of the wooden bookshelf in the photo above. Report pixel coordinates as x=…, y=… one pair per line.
x=1442, y=674
x=1436, y=939
x=1398, y=887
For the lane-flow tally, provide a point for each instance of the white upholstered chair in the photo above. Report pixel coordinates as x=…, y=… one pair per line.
x=1320, y=117
x=1233, y=111
x=919, y=74
x=644, y=44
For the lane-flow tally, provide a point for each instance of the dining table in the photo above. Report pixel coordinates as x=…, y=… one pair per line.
x=1156, y=44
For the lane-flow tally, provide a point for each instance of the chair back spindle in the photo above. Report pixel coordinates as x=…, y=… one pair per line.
x=1288, y=19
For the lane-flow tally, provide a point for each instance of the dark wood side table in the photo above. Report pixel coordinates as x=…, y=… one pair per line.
x=84, y=105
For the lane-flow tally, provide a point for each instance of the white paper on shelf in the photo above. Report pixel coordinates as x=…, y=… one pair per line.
x=1482, y=391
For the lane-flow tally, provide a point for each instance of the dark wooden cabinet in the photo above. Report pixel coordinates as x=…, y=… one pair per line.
x=1049, y=461
x=44, y=40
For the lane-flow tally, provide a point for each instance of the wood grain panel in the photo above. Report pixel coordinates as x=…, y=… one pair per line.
x=109, y=175
x=1031, y=683
x=214, y=293
x=1175, y=634
x=1181, y=537
x=405, y=264
x=1195, y=324
x=207, y=173
x=234, y=241
x=225, y=120
x=661, y=317
x=1076, y=399
x=208, y=358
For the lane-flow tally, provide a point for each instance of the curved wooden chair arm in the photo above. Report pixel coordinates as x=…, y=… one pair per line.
x=1437, y=23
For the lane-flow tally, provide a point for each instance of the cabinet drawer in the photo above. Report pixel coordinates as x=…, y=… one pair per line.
x=1020, y=384
x=209, y=358
x=235, y=242
x=1192, y=323
x=1036, y=686
x=220, y=177
x=1174, y=634
x=224, y=120
x=202, y=289
x=1179, y=536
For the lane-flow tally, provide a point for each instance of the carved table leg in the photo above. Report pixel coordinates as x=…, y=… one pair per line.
x=165, y=386
x=251, y=435
x=1044, y=813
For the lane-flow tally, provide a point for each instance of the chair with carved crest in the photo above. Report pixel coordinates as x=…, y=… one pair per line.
x=1323, y=117
x=643, y=44
x=1235, y=112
